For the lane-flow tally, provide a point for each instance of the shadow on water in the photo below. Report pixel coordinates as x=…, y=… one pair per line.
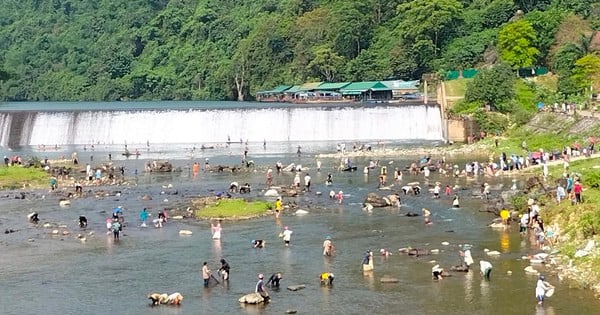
x=64, y=275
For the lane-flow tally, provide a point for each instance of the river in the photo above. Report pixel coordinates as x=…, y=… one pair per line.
x=45, y=274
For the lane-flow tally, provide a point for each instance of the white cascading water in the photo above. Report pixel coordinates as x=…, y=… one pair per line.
x=205, y=126
x=5, y=122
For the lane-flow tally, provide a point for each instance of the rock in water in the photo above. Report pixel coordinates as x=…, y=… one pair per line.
x=271, y=193
x=530, y=271
x=296, y=287
x=386, y=279
x=291, y=311
x=301, y=212
x=252, y=298
x=185, y=232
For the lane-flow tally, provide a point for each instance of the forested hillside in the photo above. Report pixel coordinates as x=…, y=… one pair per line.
x=229, y=49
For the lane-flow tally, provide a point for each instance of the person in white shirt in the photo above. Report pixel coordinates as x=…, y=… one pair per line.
x=307, y=182
x=287, y=236
x=486, y=269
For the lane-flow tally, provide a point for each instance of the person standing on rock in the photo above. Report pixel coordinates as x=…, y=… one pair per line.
x=260, y=288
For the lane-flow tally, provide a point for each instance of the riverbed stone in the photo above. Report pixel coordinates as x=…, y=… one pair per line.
x=271, y=193
x=296, y=287
x=251, y=298
x=388, y=279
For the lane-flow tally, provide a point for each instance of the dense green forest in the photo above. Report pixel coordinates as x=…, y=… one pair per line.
x=229, y=49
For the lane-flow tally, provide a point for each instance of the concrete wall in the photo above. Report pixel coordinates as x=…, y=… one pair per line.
x=459, y=129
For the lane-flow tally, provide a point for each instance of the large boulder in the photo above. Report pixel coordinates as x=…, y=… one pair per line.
x=271, y=193
x=377, y=201
x=252, y=298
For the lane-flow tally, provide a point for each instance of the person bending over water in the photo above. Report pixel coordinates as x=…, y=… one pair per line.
x=258, y=243
x=224, y=270
x=327, y=278
x=273, y=281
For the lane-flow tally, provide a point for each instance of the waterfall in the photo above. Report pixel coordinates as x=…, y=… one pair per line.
x=405, y=122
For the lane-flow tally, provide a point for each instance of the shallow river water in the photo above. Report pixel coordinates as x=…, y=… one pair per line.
x=61, y=275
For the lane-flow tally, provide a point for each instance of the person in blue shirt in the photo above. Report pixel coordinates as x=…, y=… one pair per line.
x=143, y=216
x=569, y=184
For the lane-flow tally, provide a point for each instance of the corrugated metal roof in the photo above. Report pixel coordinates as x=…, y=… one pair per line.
x=277, y=89
x=364, y=86
x=333, y=85
x=293, y=89
x=402, y=85
x=310, y=86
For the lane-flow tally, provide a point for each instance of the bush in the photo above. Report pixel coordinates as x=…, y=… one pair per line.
x=490, y=122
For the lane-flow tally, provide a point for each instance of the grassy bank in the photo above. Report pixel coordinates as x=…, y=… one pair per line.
x=230, y=208
x=579, y=223
x=14, y=177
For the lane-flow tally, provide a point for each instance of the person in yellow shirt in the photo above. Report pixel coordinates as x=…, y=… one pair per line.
x=277, y=207
x=504, y=215
x=327, y=278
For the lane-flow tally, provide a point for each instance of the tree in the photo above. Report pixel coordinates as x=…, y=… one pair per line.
x=545, y=25
x=515, y=44
x=494, y=87
x=465, y=52
x=351, y=28
x=586, y=72
x=326, y=63
x=429, y=19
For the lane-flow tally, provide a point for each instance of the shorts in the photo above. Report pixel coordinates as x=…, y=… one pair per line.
x=206, y=282
x=287, y=242
x=523, y=228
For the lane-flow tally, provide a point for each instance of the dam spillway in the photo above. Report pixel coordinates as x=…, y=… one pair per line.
x=174, y=124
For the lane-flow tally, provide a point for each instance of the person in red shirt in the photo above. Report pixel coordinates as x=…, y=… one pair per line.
x=577, y=190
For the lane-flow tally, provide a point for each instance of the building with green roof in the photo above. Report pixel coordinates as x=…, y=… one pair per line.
x=368, y=90
x=277, y=93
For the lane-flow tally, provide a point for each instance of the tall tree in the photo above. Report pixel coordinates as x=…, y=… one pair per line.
x=494, y=87
x=429, y=19
x=515, y=44
x=586, y=73
x=326, y=63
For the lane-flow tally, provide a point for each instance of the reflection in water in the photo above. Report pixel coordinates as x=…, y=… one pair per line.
x=469, y=295
x=504, y=241
x=542, y=310
x=254, y=308
x=485, y=294
x=216, y=249
x=369, y=278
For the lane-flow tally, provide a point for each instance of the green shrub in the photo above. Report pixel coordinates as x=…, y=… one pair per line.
x=490, y=121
